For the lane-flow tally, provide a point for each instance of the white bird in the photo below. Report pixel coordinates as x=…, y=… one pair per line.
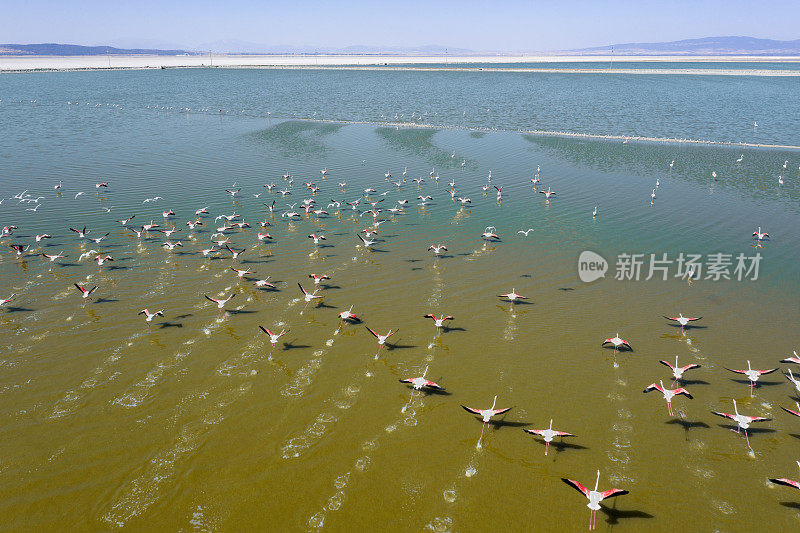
x=148, y=316
x=526, y=232
x=594, y=497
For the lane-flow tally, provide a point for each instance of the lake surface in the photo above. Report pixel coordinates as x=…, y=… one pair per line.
x=192, y=423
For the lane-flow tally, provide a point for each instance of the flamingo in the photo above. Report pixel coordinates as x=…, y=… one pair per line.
x=439, y=322
x=264, y=283
x=437, y=249
x=668, y=393
x=486, y=415
x=795, y=413
x=682, y=320
x=752, y=375
x=171, y=245
x=512, y=296
x=235, y=255
x=220, y=303
x=126, y=220
x=273, y=337
x=381, y=338
x=548, y=434
x=4, y=301
x=594, y=212
x=148, y=316
x=84, y=292
x=787, y=482
x=759, y=235
x=740, y=158
x=419, y=382
x=240, y=273
x=52, y=258
x=18, y=248
x=795, y=359
x=594, y=497
x=101, y=184
x=347, y=314
x=82, y=233
x=794, y=381
x=43, y=236
x=677, y=371
x=308, y=296
x=743, y=422
x=367, y=242
x=489, y=235
x=617, y=342
x=548, y=193
x=318, y=278
x=317, y=238
x=102, y=259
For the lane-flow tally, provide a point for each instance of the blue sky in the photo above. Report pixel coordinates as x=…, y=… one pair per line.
x=485, y=25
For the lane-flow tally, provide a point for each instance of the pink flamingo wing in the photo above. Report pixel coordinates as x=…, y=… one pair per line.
x=613, y=492
x=577, y=486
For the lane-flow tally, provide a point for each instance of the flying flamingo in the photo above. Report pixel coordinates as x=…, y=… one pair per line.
x=795, y=382
x=264, y=283
x=381, y=338
x=759, y=235
x=548, y=193
x=148, y=316
x=617, y=342
x=795, y=413
x=668, y=393
x=486, y=415
x=308, y=296
x=743, y=422
x=240, y=273
x=795, y=359
x=273, y=337
x=4, y=301
x=752, y=375
x=220, y=303
x=437, y=249
x=513, y=296
x=548, y=434
x=682, y=320
x=677, y=371
x=419, y=382
x=318, y=278
x=438, y=321
x=787, y=482
x=347, y=314
x=52, y=258
x=594, y=497
x=84, y=292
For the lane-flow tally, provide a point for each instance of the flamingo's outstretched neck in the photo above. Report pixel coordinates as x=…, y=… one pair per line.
x=426, y=371
x=597, y=483
x=494, y=402
x=735, y=409
x=551, y=423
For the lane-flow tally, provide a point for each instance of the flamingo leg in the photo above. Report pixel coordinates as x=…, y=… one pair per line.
x=751, y=388
x=748, y=440
x=546, y=447
x=669, y=408
x=483, y=426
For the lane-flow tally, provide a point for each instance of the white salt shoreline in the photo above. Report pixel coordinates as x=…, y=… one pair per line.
x=384, y=62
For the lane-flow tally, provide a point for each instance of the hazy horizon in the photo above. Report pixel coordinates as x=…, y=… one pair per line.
x=516, y=26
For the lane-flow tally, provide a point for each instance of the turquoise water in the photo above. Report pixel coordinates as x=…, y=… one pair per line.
x=718, y=108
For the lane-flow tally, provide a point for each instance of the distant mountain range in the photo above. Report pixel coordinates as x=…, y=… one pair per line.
x=717, y=46
x=223, y=47
x=53, y=49
x=711, y=46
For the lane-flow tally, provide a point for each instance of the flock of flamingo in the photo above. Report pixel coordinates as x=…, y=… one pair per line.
x=366, y=204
